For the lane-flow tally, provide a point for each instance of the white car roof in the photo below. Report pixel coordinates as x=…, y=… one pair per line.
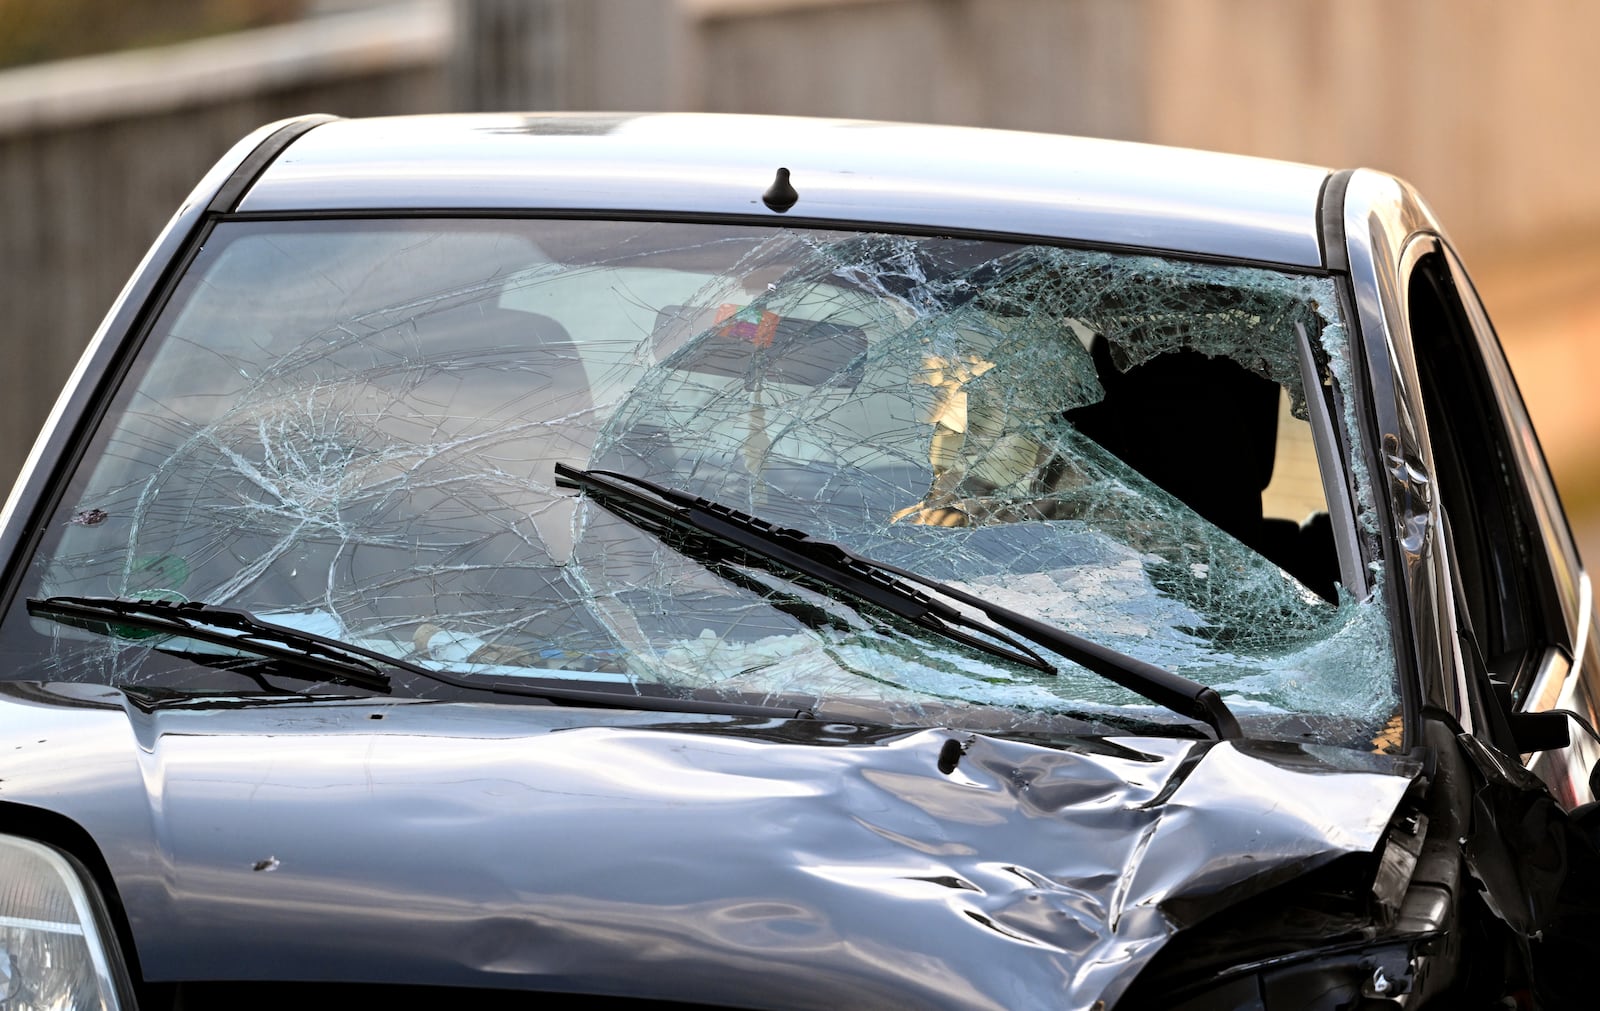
x=960, y=179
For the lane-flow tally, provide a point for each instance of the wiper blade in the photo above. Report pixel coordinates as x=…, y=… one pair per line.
x=716, y=531
x=737, y=535
x=221, y=626
x=347, y=661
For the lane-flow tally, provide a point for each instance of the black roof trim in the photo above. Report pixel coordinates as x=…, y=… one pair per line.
x=231, y=192
x=1330, y=221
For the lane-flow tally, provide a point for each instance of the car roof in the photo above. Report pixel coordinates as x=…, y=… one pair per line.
x=899, y=175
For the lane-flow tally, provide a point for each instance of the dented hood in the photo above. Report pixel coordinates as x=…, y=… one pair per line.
x=695, y=858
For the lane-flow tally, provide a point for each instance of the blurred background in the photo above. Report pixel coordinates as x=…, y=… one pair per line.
x=111, y=110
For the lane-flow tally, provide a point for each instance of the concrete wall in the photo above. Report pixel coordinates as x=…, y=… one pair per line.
x=1068, y=66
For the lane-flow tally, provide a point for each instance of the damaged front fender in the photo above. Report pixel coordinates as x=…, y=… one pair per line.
x=1481, y=894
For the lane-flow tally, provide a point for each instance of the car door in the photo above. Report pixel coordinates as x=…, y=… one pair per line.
x=1518, y=605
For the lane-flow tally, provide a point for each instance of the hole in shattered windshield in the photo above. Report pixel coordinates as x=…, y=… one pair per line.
x=351, y=427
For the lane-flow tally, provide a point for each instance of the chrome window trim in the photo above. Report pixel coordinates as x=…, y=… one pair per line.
x=1382, y=217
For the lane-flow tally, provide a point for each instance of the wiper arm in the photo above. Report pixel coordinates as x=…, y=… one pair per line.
x=711, y=529
x=346, y=661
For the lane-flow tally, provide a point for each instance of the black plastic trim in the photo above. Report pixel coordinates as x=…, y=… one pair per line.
x=1330, y=221
x=228, y=196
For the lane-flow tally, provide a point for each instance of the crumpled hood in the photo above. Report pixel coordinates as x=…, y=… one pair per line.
x=676, y=857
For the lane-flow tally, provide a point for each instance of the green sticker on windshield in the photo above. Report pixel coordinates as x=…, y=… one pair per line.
x=158, y=577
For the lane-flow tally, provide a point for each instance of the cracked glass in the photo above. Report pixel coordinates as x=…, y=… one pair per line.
x=350, y=427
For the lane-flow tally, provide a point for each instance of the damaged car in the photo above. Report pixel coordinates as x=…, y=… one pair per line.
x=756, y=562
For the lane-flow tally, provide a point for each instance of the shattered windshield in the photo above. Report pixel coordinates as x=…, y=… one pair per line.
x=351, y=428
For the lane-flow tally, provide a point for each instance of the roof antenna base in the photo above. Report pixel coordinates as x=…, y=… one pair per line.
x=780, y=196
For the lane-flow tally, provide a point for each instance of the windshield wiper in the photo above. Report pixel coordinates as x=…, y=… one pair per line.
x=220, y=626
x=711, y=530
x=346, y=662
x=736, y=535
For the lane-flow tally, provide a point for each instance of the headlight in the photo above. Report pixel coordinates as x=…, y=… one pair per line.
x=53, y=935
